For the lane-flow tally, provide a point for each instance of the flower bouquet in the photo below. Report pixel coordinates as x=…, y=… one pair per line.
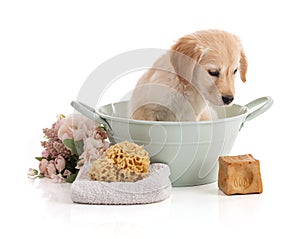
x=69, y=143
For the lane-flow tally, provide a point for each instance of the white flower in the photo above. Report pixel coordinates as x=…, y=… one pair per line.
x=106, y=145
x=59, y=121
x=80, y=163
x=93, y=149
x=77, y=127
x=93, y=143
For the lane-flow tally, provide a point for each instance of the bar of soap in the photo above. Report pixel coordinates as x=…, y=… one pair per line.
x=239, y=175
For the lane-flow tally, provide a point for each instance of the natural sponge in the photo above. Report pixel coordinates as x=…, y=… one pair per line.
x=130, y=156
x=123, y=162
x=105, y=170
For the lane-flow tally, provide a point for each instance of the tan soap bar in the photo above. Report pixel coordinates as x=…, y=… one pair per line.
x=239, y=175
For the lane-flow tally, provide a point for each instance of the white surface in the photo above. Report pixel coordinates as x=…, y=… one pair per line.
x=48, y=49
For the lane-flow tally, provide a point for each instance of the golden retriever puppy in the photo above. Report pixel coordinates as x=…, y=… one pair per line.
x=199, y=68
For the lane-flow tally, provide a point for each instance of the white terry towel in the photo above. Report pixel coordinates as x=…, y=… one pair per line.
x=153, y=188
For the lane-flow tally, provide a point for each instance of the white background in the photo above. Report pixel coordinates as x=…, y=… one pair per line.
x=48, y=49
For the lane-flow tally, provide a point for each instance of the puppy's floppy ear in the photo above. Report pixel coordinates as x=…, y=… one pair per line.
x=184, y=56
x=243, y=66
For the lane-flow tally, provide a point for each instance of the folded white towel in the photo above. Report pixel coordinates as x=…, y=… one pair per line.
x=153, y=188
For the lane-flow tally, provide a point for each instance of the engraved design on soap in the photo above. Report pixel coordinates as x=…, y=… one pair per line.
x=243, y=180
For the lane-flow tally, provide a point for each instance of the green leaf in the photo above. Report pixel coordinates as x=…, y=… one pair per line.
x=101, y=126
x=71, y=163
x=39, y=158
x=36, y=172
x=79, y=146
x=73, y=159
x=72, y=177
x=71, y=145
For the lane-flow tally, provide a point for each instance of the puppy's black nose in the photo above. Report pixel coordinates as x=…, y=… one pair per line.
x=227, y=99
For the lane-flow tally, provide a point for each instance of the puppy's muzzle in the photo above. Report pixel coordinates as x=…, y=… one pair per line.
x=227, y=99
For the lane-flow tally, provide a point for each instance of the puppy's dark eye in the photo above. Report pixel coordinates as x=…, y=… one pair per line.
x=214, y=73
x=235, y=70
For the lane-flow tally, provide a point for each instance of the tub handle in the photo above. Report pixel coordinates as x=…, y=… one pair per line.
x=90, y=113
x=263, y=104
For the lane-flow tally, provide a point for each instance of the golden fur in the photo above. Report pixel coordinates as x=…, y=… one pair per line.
x=199, y=68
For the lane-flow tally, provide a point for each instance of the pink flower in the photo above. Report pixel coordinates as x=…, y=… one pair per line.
x=50, y=170
x=45, y=154
x=32, y=173
x=43, y=165
x=67, y=173
x=60, y=163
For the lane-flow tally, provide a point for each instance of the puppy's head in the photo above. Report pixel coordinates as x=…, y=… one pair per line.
x=209, y=60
